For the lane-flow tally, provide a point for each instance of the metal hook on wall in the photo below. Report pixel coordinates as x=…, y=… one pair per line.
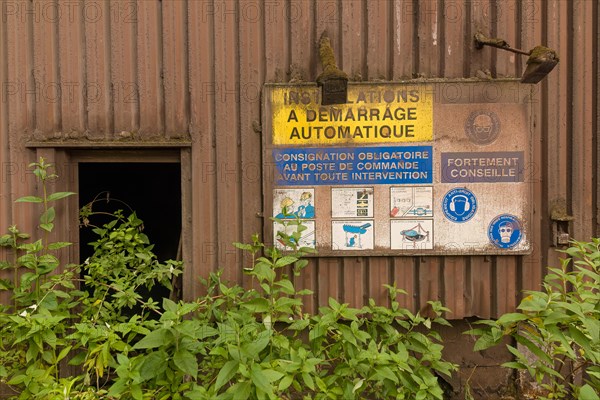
x=541, y=59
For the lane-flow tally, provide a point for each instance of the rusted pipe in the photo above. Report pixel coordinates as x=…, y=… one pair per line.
x=541, y=59
x=482, y=40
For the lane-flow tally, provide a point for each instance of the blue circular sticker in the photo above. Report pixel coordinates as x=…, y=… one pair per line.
x=505, y=231
x=459, y=205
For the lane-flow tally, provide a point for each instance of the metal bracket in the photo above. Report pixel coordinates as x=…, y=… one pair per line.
x=560, y=222
x=541, y=59
x=332, y=81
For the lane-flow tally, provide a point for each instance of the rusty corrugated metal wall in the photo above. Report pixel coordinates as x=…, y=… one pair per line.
x=187, y=74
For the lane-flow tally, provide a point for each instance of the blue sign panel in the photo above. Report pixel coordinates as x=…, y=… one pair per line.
x=469, y=167
x=397, y=165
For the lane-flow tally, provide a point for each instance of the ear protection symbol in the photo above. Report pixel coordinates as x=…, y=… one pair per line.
x=462, y=196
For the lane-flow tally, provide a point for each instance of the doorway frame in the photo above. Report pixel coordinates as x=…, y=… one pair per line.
x=67, y=159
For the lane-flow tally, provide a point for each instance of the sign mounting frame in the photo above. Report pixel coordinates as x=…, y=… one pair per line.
x=482, y=130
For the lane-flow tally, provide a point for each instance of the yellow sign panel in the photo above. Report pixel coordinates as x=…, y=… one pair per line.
x=373, y=114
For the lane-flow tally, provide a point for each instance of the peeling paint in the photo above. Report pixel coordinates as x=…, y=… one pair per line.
x=449, y=50
x=398, y=28
x=434, y=32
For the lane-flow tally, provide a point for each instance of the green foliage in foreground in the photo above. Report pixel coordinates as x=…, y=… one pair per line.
x=85, y=332
x=52, y=324
x=557, y=329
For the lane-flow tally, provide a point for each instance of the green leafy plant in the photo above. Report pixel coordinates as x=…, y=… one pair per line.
x=234, y=343
x=258, y=343
x=559, y=327
x=122, y=263
x=379, y=352
x=51, y=322
x=86, y=332
x=32, y=328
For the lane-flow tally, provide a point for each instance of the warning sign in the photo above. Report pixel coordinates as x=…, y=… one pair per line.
x=483, y=167
x=380, y=114
x=352, y=235
x=307, y=235
x=293, y=203
x=354, y=165
x=411, y=201
x=418, y=168
x=351, y=202
x=411, y=234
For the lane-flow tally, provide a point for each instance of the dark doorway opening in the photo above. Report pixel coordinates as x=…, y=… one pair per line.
x=152, y=190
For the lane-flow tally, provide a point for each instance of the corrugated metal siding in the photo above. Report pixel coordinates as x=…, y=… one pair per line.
x=164, y=71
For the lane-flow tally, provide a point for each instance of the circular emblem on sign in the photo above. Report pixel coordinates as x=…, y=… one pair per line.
x=482, y=127
x=459, y=205
x=505, y=231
